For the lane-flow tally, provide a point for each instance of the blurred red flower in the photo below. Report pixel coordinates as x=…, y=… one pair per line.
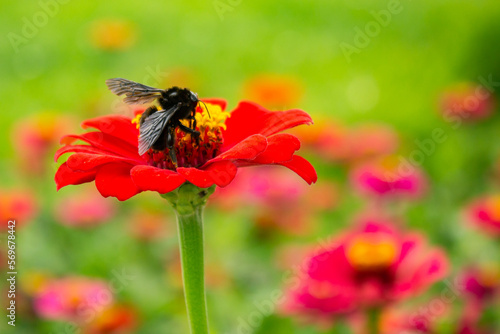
x=117, y=319
x=84, y=209
x=147, y=225
x=372, y=265
x=35, y=136
x=17, y=205
x=484, y=213
x=468, y=102
x=272, y=90
x=385, y=177
x=250, y=137
x=340, y=144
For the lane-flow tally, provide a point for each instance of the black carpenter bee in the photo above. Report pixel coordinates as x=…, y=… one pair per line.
x=157, y=125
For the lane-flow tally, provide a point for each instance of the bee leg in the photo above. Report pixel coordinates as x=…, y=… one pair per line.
x=193, y=118
x=194, y=133
x=147, y=113
x=170, y=146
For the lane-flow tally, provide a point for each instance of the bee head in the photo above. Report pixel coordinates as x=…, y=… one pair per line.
x=193, y=96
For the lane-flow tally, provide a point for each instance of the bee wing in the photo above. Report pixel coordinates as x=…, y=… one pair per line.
x=153, y=126
x=136, y=93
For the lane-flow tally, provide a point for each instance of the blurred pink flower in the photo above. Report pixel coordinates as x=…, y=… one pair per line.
x=383, y=178
x=84, y=209
x=468, y=328
x=467, y=101
x=481, y=285
x=281, y=202
x=484, y=213
x=273, y=90
x=370, y=266
x=482, y=282
x=76, y=299
x=396, y=320
x=35, y=136
x=18, y=205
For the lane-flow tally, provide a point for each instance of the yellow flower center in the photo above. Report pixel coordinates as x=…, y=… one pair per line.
x=371, y=252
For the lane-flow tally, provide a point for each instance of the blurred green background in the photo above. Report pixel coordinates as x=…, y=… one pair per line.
x=216, y=47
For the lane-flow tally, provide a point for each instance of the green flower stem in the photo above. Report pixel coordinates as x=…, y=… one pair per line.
x=373, y=321
x=188, y=202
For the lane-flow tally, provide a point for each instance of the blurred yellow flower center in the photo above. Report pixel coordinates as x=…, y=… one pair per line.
x=367, y=253
x=489, y=275
x=389, y=164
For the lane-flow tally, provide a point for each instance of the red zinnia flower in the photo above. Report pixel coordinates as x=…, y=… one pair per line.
x=251, y=136
x=369, y=267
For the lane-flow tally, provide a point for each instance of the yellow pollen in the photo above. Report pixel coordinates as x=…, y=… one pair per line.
x=212, y=119
x=493, y=207
x=137, y=121
x=366, y=252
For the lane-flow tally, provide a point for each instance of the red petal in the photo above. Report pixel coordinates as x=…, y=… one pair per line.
x=220, y=173
x=65, y=176
x=220, y=102
x=115, y=125
x=105, y=142
x=156, y=179
x=87, y=162
x=249, y=118
x=79, y=149
x=302, y=167
x=248, y=148
x=114, y=180
x=280, y=147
